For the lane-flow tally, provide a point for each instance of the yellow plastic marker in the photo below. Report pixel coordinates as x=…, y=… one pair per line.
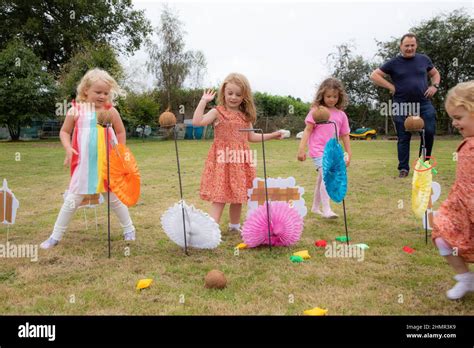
x=242, y=246
x=144, y=283
x=315, y=311
x=303, y=253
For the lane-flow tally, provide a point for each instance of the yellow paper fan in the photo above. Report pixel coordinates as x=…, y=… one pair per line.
x=421, y=188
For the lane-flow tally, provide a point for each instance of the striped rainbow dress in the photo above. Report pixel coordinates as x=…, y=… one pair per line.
x=89, y=139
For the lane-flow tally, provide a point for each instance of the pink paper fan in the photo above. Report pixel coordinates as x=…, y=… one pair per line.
x=286, y=226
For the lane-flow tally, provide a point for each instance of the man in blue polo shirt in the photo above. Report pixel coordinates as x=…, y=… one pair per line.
x=409, y=72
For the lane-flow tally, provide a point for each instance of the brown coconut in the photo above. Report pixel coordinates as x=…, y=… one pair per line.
x=215, y=280
x=167, y=119
x=321, y=114
x=414, y=123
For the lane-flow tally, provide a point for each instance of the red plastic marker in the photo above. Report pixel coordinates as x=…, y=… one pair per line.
x=408, y=250
x=321, y=243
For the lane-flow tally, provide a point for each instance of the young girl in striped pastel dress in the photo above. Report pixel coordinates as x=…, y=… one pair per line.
x=86, y=152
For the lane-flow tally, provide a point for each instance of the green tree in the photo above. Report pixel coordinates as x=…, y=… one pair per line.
x=55, y=29
x=169, y=62
x=354, y=72
x=91, y=56
x=27, y=90
x=140, y=109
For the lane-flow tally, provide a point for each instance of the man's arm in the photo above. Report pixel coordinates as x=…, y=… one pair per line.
x=378, y=77
x=435, y=78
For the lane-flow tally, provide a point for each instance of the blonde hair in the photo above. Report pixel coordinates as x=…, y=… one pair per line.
x=93, y=76
x=331, y=83
x=247, y=107
x=461, y=95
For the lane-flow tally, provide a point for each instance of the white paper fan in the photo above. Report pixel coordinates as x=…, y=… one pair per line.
x=202, y=231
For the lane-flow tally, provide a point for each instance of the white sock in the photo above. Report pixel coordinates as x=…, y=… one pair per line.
x=234, y=226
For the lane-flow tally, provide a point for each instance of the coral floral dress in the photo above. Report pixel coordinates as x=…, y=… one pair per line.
x=227, y=174
x=454, y=221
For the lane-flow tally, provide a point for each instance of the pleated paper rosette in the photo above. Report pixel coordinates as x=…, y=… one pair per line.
x=202, y=231
x=421, y=189
x=286, y=226
x=124, y=175
x=334, y=171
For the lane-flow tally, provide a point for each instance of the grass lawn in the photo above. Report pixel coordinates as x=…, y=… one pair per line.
x=76, y=277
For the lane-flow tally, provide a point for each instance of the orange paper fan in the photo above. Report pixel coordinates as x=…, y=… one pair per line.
x=124, y=175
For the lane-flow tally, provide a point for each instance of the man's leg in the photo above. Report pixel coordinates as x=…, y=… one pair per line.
x=403, y=144
x=428, y=114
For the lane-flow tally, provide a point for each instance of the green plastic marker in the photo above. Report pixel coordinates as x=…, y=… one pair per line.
x=296, y=259
x=426, y=166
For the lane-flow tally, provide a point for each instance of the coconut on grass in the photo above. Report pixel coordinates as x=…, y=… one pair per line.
x=215, y=280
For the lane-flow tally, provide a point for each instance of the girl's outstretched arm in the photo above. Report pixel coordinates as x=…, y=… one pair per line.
x=347, y=146
x=257, y=137
x=304, y=141
x=199, y=118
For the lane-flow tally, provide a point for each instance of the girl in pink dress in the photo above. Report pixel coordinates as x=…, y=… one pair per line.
x=230, y=164
x=453, y=231
x=331, y=95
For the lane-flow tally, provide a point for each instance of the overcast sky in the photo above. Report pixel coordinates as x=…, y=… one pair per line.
x=282, y=46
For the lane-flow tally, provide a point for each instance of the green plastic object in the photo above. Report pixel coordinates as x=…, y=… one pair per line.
x=342, y=239
x=362, y=246
x=361, y=130
x=433, y=170
x=296, y=259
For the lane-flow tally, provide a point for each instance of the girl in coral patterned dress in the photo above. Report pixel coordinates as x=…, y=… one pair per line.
x=230, y=164
x=453, y=231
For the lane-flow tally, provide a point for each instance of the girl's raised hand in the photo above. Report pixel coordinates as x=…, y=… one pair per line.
x=69, y=152
x=208, y=95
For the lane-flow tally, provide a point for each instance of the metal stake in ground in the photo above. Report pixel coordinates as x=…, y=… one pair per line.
x=180, y=190
x=108, y=184
x=343, y=201
x=423, y=154
x=259, y=130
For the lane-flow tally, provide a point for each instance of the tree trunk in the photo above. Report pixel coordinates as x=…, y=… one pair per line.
x=14, y=131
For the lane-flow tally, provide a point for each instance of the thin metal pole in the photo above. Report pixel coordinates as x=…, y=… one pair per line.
x=180, y=190
x=343, y=201
x=423, y=153
x=345, y=221
x=95, y=214
x=266, y=193
x=108, y=184
x=259, y=130
x=85, y=218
